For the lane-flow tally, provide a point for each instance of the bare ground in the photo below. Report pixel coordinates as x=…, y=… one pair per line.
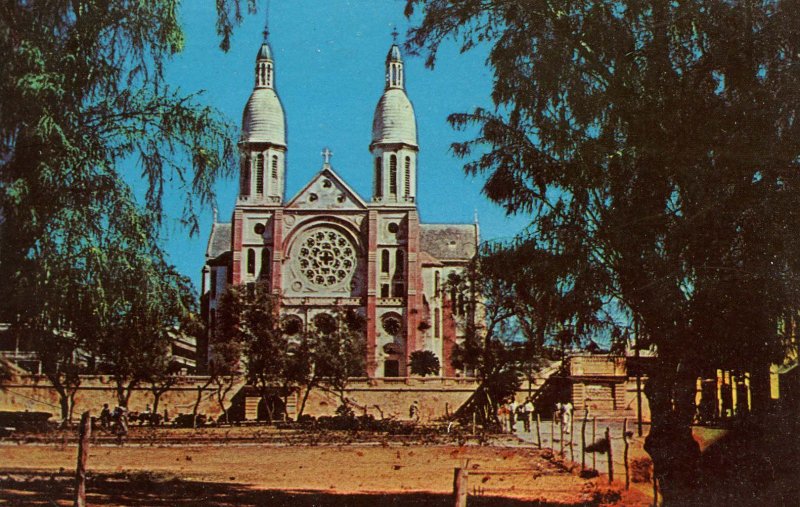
x=413, y=475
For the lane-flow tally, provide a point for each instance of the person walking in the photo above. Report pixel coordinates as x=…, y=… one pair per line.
x=512, y=415
x=566, y=418
x=528, y=409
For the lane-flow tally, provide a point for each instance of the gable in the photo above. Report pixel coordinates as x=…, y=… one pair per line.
x=327, y=191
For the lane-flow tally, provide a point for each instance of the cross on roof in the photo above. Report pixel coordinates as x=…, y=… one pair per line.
x=395, y=33
x=326, y=156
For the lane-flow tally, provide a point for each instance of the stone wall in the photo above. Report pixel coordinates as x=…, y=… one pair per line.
x=437, y=397
x=379, y=397
x=36, y=394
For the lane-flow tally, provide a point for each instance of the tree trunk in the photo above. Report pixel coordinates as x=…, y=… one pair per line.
x=309, y=387
x=156, y=398
x=71, y=404
x=63, y=400
x=675, y=453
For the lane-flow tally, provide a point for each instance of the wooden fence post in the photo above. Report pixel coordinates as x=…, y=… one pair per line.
x=561, y=439
x=594, y=440
x=460, y=487
x=625, y=452
x=583, y=438
x=571, y=437
x=553, y=433
x=84, y=433
x=610, y=456
x=655, y=491
x=538, y=433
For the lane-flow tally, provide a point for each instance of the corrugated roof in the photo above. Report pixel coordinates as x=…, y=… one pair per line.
x=448, y=241
x=220, y=240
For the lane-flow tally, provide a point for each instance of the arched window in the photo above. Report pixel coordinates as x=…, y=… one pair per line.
x=393, y=175
x=269, y=75
x=246, y=176
x=436, y=322
x=385, y=261
x=437, y=279
x=385, y=290
x=378, y=182
x=251, y=261
x=292, y=325
x=274, y=167
x=399, y=264
x=265, y=266
x=325, y=323
x=398, y=289
x=260, y=174
x=407, y=182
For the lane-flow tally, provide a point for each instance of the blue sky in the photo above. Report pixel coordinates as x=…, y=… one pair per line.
x=329, y=71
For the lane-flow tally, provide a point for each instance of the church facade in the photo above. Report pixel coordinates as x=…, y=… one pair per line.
x=327, y=248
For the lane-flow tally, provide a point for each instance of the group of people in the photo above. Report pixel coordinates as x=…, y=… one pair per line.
x=116, y=420
x=511, y=412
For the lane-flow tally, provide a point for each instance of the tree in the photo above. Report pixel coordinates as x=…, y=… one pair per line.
x=133, y=301
x=84, y=99
x=249, y=315
x=656, y=150
x=489, y=305
x=338, y=353
x=424, y=362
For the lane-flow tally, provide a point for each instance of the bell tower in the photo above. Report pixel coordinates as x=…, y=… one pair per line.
x=394, y=139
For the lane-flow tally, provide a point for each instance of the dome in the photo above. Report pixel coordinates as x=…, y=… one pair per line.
x=265, y=53
x=394, y=120
x=394, y=54
x=263, y=120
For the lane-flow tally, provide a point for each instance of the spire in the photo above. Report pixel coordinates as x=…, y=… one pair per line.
x=394, y=65
x=266, y=22
x=264, y=64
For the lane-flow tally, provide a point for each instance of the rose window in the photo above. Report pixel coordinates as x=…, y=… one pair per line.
x=326, y=257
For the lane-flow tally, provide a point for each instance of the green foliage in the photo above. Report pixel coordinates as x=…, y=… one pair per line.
x=655, y=147
x=83, y=96
x=339, y=346
x=424, y=362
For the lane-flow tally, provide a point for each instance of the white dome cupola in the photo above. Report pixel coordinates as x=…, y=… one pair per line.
x=263, y=141
x=394, y=138
x=263, y=120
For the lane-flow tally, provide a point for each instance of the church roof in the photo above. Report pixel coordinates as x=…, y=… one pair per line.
x=448, y=241
x=220, y=240
x=263, y=120
x=394, y=120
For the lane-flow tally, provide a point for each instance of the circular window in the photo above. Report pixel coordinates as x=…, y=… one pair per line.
x=312, y=197
x=327, y=183
x=259, y=229
x=393, y=228
x=326, y=257
x=392, y=325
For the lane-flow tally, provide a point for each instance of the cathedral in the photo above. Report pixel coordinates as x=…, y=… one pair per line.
x=328, y=248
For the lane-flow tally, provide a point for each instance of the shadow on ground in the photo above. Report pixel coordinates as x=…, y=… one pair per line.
x=148, y=489
x=757, y=463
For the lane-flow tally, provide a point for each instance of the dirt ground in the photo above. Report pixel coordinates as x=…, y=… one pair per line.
x=299, y=475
